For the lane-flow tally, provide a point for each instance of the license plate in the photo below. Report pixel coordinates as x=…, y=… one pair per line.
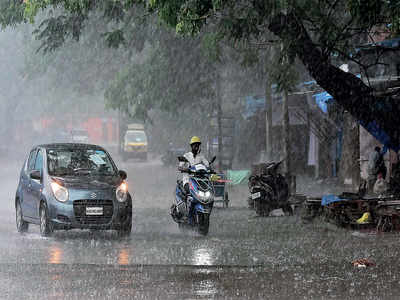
x=256, y=195
x=94, y=210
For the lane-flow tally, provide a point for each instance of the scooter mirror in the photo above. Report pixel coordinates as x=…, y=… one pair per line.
x=278, y=164
x=213, y=159
x=122, y=174
x=182, y=159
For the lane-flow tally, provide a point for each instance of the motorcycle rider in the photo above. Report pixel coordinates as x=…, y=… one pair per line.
x=193, y=157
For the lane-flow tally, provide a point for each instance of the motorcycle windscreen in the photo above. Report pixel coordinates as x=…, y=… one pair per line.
x=198, y=167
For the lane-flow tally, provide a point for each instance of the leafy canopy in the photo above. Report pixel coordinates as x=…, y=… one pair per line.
x=315, y=31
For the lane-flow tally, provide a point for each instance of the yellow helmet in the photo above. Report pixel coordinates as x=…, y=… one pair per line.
x=195, y=139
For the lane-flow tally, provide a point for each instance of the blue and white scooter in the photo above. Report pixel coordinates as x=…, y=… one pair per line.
x=193, y=210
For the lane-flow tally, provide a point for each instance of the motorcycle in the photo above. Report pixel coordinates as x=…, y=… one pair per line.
x=193, y=210
x=269, y=191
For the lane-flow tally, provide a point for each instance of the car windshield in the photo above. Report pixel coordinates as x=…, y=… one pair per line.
x=70, y=162
x=135, y=136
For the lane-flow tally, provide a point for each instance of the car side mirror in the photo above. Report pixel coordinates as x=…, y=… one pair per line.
x=182, y=159
x=35, y=174
x=213, y=159
x=122, y=174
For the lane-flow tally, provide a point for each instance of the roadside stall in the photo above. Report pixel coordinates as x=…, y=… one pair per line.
x=356, y=212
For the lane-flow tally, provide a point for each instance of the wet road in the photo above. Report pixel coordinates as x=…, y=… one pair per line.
x=243, y=257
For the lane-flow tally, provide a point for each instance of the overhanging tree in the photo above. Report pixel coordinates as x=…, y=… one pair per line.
x=311, y=30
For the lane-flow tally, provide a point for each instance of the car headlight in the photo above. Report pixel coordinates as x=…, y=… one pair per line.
x=59, y=192
x=122, y=192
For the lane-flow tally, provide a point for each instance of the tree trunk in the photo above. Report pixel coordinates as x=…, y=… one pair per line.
x=349, y=163
x=347, y=89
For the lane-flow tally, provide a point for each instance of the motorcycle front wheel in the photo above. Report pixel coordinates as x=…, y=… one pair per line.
x=262, y=208
x=288, y=210
x=204, y=223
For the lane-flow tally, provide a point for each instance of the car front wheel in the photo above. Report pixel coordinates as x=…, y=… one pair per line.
x=126, y=226
x=46, y=228
x=22, y=226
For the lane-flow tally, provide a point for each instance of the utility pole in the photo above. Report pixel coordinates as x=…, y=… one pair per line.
x=219, y=121
x=286, y=137
x=268, y=119
x=119, y=131
x=268, y=105
x=286, y=131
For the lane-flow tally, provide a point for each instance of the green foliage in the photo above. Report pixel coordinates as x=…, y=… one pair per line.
x=394, y=7
x=175, y=76
x=331, y=23
x=54, y=31
x=366, y=12
x=211, y=43
x=178, y=73
x=114, y=38
x=11, y=13
x=283, y=73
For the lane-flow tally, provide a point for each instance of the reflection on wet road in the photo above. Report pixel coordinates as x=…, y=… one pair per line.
x=123, y=257
x=203, y=257
x=55, y=255
x=243, y=257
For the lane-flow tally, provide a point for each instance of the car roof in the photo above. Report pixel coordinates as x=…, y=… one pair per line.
x=69, y=146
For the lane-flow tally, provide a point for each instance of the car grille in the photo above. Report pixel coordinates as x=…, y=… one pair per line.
x=80, y=211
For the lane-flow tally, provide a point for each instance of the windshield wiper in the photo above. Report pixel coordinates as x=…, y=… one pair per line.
x=85, y=170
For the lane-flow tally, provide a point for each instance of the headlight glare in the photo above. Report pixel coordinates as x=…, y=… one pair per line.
x=122, y=192
x=204, y=196
x=59, y=192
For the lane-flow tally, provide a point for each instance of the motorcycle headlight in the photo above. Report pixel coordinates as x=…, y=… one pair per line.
x=205, y=195
x=59, y=192
x=122, y=192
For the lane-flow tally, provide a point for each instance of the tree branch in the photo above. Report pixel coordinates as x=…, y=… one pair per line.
x=348, y=90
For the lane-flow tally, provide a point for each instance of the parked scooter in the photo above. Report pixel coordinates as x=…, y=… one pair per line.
x=269, y=191
x=193, y=210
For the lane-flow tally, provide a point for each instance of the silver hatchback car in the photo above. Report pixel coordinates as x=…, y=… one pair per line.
x=66, y=186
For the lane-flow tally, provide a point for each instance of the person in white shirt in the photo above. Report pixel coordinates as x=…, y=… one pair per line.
x=193, y=157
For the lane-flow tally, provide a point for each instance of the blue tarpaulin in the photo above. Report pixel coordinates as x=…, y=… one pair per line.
x=322, y=99
x=327, y=199
x=238, y=176
x=392, y=43
x=253, y=104
x=380, y=135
